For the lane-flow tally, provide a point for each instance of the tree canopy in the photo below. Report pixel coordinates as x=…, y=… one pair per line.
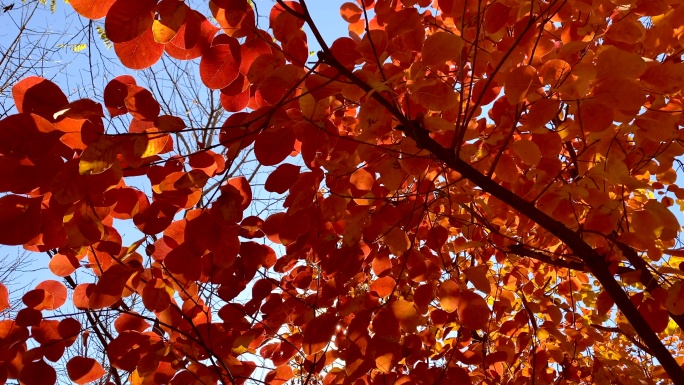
x=463, y=192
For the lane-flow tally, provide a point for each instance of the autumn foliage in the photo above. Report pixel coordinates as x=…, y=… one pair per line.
x=475, y=192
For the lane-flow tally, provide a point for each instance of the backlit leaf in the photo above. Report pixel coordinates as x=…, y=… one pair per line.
x=83, y=370
x=4, y=297
x=318, y=332
x=383, y=286
x=441, y=47
x=473, y=311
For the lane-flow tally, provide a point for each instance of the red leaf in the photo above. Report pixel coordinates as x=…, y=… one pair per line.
x=4, y=297
x=130, y=321
x=282, y=178
x=128, y=19
x=38, y=299
x=81, y=293
x=344, y=50
x=250, y=50
x=242, y=185
x=141, y=104
x=155, y=218
x=280, y=83
x=271, y=148
x=220, y=64
x=473, y=311
x=29, y=317
x=250, y=228
x=140, y=52
x=155, y=296
x=193, y=37
x=280, y=375
x=92, y=9
x=235, y=97
x=208, y=161
x=115, y=94
x=318, y=333
x=57, y=290
x=38, y=96
x=83, y=370
x=27, y=135
x=69, y=329
x=169, y=123
x=38, y=373
x=19, y=219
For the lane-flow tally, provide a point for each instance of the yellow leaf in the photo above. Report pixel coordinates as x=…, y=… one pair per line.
x=149, y=145
x=99, y=156
x=162, y=33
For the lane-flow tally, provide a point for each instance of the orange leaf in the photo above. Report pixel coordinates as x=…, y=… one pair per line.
x=57, y=290
x=318, y=333
x=4, y=297
x=383, y=286
x=156, y=296
x=351, y=13
x=473, y=311
x=434, y=95
x=397, y=240
x=614, y=62
x=477, y=275
x=528, y=151
x=92, y=9
x=140, y=52
x=449, y=296
x=130, y=321
x=406, y=313
x=83, y=370
x=362, y=180
x=441, y=47
x=220, y=64
x=280, y=375
x=242, y=186
x=519, y=82
x=80, y=296
x=542, y=111
x=128, y=19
